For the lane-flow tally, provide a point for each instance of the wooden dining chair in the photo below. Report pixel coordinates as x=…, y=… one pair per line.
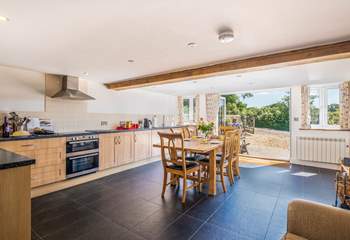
x=174, y=162
x=236, y=142
x=223, y=162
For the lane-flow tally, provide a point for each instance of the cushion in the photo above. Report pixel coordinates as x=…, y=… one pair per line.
x=188, y=166
x=291, y=236
x=196, y=157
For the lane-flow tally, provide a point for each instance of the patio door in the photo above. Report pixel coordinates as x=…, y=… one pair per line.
x=264, y=118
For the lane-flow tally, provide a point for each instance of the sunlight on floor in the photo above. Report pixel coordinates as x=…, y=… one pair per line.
x=304, y=174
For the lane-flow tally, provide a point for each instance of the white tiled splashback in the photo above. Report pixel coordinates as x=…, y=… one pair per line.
x=70, y=115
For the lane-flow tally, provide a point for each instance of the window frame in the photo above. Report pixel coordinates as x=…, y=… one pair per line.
x=323, y=98
x=191, y=110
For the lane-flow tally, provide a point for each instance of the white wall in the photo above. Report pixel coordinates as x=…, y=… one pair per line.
x=296, y=132
x=21, y=90
x=129, y=101
x=24, y=90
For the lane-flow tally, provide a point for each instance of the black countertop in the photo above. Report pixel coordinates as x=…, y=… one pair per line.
x=13, y=160
x=87, y=132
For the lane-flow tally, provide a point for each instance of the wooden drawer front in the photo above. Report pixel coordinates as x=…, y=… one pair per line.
x=18, y=146
x=46, y=175
x=28, y=145
x=50, y=143
x=49, y=157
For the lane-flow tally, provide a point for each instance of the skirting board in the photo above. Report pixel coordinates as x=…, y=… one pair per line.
x=315, y=164
x=42, y=190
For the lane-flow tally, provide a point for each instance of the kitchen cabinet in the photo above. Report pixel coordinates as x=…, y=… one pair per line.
x=106, y=150
x=143, y=140
x=50, y=156
x=124, y=148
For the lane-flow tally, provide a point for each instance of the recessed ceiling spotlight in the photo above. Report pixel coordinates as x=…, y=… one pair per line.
x=226, y=35
x=239, y=76
x=4, y=19
x=131, y=60
x=85, y=73
x=192, y=44
x=194, y=81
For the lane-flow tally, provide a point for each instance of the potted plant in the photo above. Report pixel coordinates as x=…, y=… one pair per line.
x=206, y=128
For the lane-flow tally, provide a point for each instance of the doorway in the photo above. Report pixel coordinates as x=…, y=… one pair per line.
x=264, y=119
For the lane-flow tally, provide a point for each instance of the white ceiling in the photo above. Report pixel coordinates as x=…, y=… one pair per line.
x=75, y=36
x=313, y=73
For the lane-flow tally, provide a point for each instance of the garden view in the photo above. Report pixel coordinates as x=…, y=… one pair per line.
x=271, y=112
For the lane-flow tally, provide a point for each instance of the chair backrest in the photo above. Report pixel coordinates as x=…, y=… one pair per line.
x=176, y=130
x=227, y=147
x=189, y=131
x=224, y=129
x=236, y=142
x=172, y=149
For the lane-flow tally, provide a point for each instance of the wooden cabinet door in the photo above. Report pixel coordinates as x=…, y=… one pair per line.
x=142, y=145
x=124, y=148
x=107, y=148
x=49, y=155
x=50, y=161
x=49, y=166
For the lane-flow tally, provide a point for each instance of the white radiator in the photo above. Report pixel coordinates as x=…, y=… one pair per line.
x=327, y=150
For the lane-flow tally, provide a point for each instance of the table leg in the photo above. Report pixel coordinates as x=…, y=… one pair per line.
x=212, y=172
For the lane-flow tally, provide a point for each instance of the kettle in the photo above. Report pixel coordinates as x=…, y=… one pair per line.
x=147, y=123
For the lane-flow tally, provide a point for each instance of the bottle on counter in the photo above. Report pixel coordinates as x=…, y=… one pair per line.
x=6, y=128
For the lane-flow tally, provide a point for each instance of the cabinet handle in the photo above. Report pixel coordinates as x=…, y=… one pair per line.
x=135, y=138
x=59, y=172
x=119, y=140
x=27, y=145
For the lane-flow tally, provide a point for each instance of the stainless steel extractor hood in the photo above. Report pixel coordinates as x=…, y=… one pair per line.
x=70, y=90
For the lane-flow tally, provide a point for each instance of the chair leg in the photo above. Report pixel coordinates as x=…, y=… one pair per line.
x=184, y=189
x=165, y=181
x=200, y=180
x=236, y=170
x=230, y=174
x=222, y=179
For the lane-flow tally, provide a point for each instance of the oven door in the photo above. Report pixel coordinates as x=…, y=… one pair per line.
x=81, y=164
x=83, y=145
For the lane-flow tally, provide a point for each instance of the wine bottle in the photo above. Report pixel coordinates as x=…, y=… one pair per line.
x=6, y=128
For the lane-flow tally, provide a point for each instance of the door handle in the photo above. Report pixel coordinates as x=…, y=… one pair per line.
x=27, y=145
x=82, y=156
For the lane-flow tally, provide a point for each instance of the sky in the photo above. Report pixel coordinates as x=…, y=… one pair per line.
x=264, y=98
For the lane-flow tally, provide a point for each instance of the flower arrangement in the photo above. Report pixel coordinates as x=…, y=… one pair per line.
x=206, y=128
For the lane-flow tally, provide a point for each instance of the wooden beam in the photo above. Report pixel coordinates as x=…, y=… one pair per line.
x=281, y=59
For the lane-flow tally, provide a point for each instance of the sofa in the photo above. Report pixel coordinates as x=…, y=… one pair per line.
x=314, y=221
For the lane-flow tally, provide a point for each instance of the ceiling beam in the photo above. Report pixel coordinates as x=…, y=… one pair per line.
x=281, y=59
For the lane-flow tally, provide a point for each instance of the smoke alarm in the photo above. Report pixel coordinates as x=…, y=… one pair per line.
x=226, y=36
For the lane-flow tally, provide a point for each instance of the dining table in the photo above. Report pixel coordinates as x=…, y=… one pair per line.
x=201, y=146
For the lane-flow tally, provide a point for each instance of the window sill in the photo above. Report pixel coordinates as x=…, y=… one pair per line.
x=325, y=129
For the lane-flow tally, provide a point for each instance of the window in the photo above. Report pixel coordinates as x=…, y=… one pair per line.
x=324, y=106
x=189, y=108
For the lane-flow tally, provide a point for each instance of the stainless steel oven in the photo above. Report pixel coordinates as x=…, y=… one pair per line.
x=82, y=155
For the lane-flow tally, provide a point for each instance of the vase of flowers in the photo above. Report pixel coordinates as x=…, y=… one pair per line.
x=206, y=128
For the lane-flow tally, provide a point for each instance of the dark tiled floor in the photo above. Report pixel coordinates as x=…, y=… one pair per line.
x=128, y=205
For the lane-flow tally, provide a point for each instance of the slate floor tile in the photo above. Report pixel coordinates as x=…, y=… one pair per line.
x=183, y=228
x=127, y=205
